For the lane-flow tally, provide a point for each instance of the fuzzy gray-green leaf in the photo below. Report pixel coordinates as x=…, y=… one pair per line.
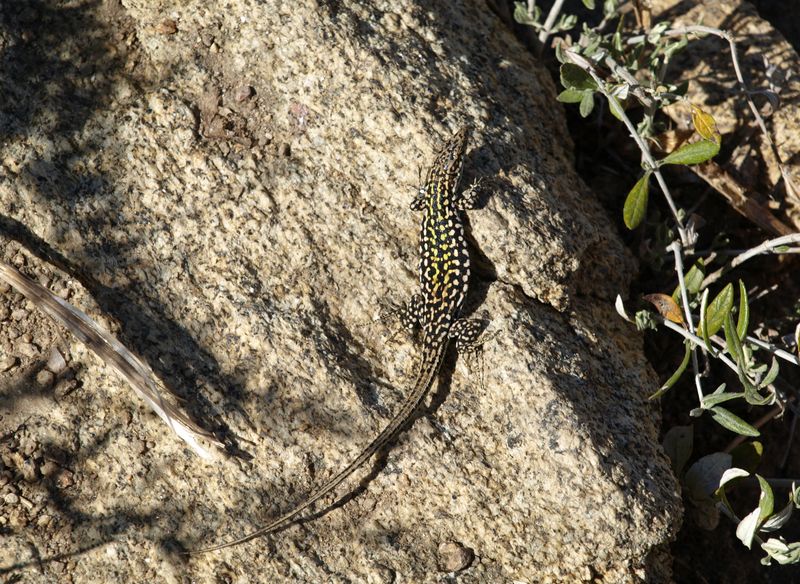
x=743, y=319
x=693, y=153
x=636, y=202
x=717, y=310
x=732, y=422
x=573, y=77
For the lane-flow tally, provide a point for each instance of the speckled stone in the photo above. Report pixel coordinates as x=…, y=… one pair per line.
x=243, y=248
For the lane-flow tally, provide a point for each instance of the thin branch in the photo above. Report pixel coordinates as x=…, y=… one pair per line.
x=645, y=150
x=675, y=246
x=764, y=248
x=725, y=35
x=695, y=339
x=548, y=23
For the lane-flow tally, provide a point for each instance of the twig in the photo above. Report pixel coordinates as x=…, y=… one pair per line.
x=651, y=163
x=545, y=31
x=114, y=354
x=765, y=247
x=687, y=312
x=725, y=35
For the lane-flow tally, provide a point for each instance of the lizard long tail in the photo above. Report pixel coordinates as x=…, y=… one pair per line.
x=428, y=369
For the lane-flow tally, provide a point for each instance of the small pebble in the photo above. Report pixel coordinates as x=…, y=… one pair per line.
x=44, y=520
x=65, y=479
x=56, y=362
x=18, y=519
x=11, y=499
x=7, y=362
x=27, y=350
x=45, y=378
x=29, y=471
x=48, y=468
x=454, y=557
x=167, y=26
x=207, y=38
x=19, y=314
x=4, y=313
x=244, y=93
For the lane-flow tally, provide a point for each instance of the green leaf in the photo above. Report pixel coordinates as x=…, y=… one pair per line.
x=616, y=42
x=778, y=520
x=744, y=312
x=766, y=501
x=693, y=280
x=566, y=22
x=571, y=96
x=709, y=401
x=774, y=368
x=778, y=550
x=678, y=443
x=573, y=77
x=655, y=32
x=521, y=14
x=719, y=308
x=746, y=530
x=615, y=108
x=703, y=477
x=732, y=422
x=674, y=47
x=559, y=52
x=693, y=153
x=589, y=4
x=636, y=202
x=587, y=104
x=675, y=376
x=732, y=474
x=732, y=339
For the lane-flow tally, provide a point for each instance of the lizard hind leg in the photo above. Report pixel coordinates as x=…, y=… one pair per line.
x=409, y=314
x=466, y=333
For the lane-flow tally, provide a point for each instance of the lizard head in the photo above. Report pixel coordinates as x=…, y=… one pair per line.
x=446, y=169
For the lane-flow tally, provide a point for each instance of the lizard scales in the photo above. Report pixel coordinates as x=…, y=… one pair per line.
x=444, y=276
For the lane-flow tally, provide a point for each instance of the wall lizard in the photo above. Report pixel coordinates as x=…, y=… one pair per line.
x=444, y=271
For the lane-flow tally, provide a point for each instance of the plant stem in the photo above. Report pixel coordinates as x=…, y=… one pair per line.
x=675, y=246
x=548, y=24
x=725, y=35
x=651, y=163
x=763, y=248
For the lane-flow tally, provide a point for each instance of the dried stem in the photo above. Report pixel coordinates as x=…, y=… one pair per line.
x=767, y=247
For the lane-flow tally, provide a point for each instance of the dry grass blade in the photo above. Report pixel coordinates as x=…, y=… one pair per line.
x=114, y=354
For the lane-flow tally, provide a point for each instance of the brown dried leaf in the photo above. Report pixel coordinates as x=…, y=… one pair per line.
x=666, y=307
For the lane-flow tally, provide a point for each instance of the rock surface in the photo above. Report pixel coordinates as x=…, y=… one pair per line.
x=227, y=190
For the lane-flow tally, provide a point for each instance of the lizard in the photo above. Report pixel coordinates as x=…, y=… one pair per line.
x=444, y=270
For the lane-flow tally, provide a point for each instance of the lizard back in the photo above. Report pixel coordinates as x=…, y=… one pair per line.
x=444, y=267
